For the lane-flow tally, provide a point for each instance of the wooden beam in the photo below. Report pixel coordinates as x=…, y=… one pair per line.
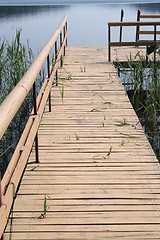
x=129, y=24
x=150, y=16
x=148, y=32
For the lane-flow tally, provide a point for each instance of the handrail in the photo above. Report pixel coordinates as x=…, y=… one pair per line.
x=18, y=94
x=10, y=106
x=133, y=24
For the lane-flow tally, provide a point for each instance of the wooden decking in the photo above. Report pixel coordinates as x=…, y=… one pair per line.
x=97, y=171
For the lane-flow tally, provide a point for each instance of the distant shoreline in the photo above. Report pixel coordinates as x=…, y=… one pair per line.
x=52, y=2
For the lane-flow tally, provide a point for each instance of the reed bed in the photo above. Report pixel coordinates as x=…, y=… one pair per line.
x=15, y=59
x=141, y=80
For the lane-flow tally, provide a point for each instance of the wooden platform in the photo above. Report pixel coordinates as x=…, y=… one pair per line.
x=98, y=177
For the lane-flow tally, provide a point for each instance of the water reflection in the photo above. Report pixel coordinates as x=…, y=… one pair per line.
x=87, y=22
x=22, y=11
x=149, y=8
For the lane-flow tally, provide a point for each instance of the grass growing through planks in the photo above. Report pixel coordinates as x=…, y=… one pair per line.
x=77, y=137
x=95, y=110
x=69, y=77
x=45, y=207
x=109, y=152
x=63, y=82
x=98, y=94
x=83, y=69
x=34, y=168
x=62, y=91
x=122, y=123
x=62, y=61
x=107, y=103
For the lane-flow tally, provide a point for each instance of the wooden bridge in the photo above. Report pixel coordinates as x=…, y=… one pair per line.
x=96, y=176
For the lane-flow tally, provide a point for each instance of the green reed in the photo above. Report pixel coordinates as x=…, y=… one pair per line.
x=141, y=80
x=15, y=59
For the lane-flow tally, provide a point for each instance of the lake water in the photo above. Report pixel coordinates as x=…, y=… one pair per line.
x=87, y=23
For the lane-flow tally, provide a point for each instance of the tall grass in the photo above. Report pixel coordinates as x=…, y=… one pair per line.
x=15, y=59
x=141, y=80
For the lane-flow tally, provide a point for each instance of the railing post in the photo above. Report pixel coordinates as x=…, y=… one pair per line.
x=155, y=46
x=56, y=61
x=66, y=38
x=137, y=30
x=2, y=237
x=64, y=34
x=155, y=32
x=147, y=54
x=48, y=67
x=122, y=15
x=109, y=39
x=35, y=113
x=60, y=47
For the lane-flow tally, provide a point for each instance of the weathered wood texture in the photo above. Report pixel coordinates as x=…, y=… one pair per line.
x=97, y=170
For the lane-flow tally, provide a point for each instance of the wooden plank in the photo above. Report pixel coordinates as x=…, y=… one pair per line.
x=89, y=220
x=82, y=235
x=90, y=194
x=31, y=210
x=91, y=228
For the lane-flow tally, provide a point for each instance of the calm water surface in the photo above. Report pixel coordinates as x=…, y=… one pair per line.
x=87, y=23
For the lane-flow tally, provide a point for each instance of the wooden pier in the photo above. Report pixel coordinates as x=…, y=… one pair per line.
x=98, y=177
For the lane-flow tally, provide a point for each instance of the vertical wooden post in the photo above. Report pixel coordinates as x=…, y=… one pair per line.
x=2, y=237
x=66, y=39
x=122, y=15
x=48, y=67
x=137, y=30
x=64, y=34
x=147, y=54
x=55, y=62
x=60, y=48
x=155, y=32
x=109, y=48
x=35, y=113
x=155, y=47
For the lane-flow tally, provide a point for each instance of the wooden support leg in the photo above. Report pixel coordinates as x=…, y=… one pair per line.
x=48, y=66
x=55, y=61
x=109, y=53
x=2, y=237
x=35, y=113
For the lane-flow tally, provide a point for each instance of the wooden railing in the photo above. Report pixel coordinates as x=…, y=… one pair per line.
x=10, y=106
x=145, y=16
x=152, y=43
x=122, y=16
